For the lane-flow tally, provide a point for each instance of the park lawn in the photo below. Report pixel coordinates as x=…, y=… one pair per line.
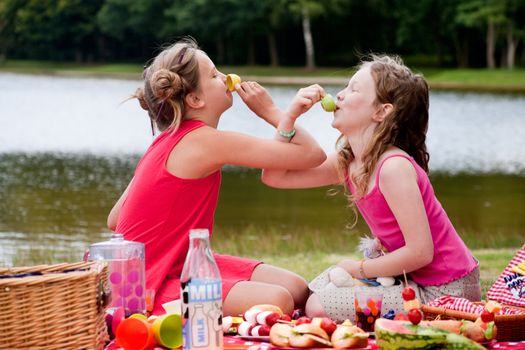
x=512, y=80
x=492, y=263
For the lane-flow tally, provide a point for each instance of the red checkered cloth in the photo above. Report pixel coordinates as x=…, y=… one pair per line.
x=510, y=287
x=465, y=305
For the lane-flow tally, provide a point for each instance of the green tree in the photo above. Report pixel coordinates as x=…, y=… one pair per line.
x=133, y=26
x=57, y=29
x=8, y=13
x=480, y=13
x=306, y=10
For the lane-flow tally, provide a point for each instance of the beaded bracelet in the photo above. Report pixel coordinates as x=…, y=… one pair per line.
x=287, y=135
x=362, y=270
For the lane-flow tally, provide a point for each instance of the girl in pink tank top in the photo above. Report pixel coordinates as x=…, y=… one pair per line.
x=381, y=158
x=177, y=181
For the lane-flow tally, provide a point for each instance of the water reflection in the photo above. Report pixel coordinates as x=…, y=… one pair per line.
x=53, y=206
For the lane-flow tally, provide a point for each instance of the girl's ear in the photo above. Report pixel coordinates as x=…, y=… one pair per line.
x=193, y=100
x=384, y=110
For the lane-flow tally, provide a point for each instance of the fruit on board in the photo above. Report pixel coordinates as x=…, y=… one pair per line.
x=401, y=334
x=415, y=316
x=493, y=306
x=325, y=323
x=328, y=325
x=308, y=335
x=286, y=318
x=487, y=316
x=347, y=337
x=453, y=326
x=280, y=334
x=408, y=294
x=251, y=314
x=267, y=317
x=328, y=103
x=412, y=304
x=302, y=320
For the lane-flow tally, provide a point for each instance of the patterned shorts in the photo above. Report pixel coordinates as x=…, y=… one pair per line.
x=338, y=302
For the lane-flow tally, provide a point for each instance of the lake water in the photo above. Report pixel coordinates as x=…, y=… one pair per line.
x=68, y=147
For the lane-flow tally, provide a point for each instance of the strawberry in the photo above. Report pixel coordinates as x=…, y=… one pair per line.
x=415, y=316
x=302, y=320
x=328, y=325
x=408, y=294
x=487, y=316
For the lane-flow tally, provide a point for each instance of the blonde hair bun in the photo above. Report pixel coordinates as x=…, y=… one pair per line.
x=165, y=84
x=139, y=94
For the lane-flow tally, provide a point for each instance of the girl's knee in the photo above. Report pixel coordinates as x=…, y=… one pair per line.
x=314, y=307
x=298, y=288
x=281, y=297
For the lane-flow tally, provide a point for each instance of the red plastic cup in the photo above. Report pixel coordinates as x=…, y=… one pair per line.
x=135, y=334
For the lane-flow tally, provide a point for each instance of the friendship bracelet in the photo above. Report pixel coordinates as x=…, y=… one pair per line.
x=362, y=270
x=287, y=135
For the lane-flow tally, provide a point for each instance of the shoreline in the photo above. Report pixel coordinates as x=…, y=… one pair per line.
x=284, y=80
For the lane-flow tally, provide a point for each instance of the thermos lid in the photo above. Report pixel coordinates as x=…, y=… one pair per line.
x=116, y=248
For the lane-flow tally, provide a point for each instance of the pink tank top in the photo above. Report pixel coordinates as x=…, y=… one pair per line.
x=452, y=259
x=161, y=208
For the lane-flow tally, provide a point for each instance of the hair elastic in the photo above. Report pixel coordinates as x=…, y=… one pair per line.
x=287, y=135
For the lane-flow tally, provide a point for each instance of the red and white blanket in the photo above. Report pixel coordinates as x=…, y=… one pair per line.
x=510, y=287
x=465, y=305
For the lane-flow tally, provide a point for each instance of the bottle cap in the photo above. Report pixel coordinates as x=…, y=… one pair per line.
x=199, y=233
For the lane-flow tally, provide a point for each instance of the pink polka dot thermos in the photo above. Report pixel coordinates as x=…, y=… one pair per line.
x=126, y=267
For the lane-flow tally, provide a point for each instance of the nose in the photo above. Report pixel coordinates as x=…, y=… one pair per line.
x=339, y=96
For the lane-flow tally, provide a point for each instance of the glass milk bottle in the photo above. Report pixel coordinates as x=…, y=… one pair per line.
x=126, y=267
x=201, y=292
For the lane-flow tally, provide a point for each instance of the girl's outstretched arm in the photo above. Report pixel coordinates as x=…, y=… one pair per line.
x=398, y=183
x=323, y=175
x=298, y=151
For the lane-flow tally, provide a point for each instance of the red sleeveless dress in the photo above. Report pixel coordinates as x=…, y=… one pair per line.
x=159, y=211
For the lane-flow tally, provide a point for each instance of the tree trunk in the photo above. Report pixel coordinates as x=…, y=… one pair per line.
x=272, y=47
x=491, y=44
x=512, y=43
x=308, y=41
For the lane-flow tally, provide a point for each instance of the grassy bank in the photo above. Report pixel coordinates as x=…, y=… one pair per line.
x=310, y=264
x=503, y=80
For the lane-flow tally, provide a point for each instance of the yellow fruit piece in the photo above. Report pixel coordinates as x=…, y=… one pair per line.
x=412, y=304
x=232, y=80
x=493, y=306
x=347, y=323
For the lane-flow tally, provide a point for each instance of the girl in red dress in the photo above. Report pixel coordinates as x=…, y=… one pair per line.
x=176, y=183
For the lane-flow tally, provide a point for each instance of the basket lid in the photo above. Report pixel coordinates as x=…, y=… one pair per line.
x=116, y=248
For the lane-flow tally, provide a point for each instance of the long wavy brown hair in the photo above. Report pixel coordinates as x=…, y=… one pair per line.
x=405, y=127
x=173, y=73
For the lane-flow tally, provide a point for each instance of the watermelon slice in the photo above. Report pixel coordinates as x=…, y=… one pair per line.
x=392, y=335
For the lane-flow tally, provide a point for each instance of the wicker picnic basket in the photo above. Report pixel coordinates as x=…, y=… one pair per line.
x=510, y=327
x=53, y=306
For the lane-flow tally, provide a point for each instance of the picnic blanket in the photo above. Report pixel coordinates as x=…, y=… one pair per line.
x=510, y=285
x=237, y=343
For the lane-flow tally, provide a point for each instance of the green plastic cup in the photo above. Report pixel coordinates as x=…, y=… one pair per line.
x=167, y=330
